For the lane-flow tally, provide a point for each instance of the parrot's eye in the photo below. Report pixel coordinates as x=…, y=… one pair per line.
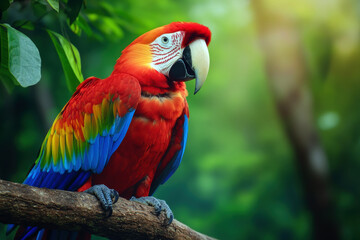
x=165, y=40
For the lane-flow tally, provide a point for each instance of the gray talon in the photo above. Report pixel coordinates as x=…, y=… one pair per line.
x=105, y=196
x=159, y=205
x=114, y=195
x=167, y=210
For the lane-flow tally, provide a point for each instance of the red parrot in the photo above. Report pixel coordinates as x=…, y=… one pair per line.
x=125, y=134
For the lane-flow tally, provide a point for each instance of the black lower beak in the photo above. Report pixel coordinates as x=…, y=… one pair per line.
x=182, y=69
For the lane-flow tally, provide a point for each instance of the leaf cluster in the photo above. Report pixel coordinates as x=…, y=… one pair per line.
x=20, y=61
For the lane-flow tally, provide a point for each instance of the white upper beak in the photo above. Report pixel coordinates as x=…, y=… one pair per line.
x=200, y=61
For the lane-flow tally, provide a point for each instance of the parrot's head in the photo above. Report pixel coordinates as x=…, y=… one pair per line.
x=167, y=56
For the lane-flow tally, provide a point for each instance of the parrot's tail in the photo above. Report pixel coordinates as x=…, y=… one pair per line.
x=35, y=233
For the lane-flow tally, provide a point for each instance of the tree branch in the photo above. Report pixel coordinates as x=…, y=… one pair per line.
x=31, y=206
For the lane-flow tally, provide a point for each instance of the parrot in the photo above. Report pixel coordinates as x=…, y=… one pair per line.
x=125, y=135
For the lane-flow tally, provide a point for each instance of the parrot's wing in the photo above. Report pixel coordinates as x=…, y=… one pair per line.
x=174, y=153
x=86, y=133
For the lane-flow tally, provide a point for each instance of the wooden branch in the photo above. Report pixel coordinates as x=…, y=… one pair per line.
x=31, y=206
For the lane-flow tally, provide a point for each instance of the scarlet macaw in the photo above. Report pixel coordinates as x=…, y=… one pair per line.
x=126, y=134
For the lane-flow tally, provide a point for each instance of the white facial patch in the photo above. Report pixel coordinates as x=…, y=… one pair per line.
x=166, y=50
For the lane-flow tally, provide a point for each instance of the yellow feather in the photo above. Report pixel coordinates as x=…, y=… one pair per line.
x=93, y=126
x=97, y=114
x=69, y=144
x=87, y=126
x=52, y=129
x=48, y=149
x=104, y=106
x=68, y=128
x=55, y=147
x=115, y=107
x=62, y=143
x=105, y=112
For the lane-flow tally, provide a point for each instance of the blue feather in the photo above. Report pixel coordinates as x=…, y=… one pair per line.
x=101, y=153
x=85, y=160
x=40, y=234
x=79, y=181
x=112, y=129
x=174, y=162
x=180, y=154
x=67, y=166
x=90, y=157
x=29, y=232
x=65, y=179
x=10, y=228
x=95, y=151
x=107, y=146
x=76, y=162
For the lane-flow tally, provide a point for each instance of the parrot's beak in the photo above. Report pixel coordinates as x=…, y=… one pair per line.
x=194, y=63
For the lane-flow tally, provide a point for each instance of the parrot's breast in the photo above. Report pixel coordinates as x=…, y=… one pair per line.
x=145, y=143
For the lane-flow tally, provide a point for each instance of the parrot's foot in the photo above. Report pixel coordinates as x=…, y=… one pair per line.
x=106, y=196
x=159, y=205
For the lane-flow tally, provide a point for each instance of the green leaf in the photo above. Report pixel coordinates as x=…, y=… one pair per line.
x=25, y=24
x=69, y=58
x=107, y=25
x=81, y=24
x=54, y=4
x=5, y=75
x=23, y=62
x=84, y=25
x=73, y=9
x=75, y=29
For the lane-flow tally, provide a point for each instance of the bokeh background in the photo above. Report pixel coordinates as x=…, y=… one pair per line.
x=241, y=176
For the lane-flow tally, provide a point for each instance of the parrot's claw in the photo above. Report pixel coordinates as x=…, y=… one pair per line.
x=159, y=205
x=106, y=196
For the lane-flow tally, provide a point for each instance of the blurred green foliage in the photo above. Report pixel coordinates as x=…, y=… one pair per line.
x=238, y=178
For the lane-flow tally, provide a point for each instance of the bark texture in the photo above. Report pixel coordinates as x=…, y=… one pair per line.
x=31, y=206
